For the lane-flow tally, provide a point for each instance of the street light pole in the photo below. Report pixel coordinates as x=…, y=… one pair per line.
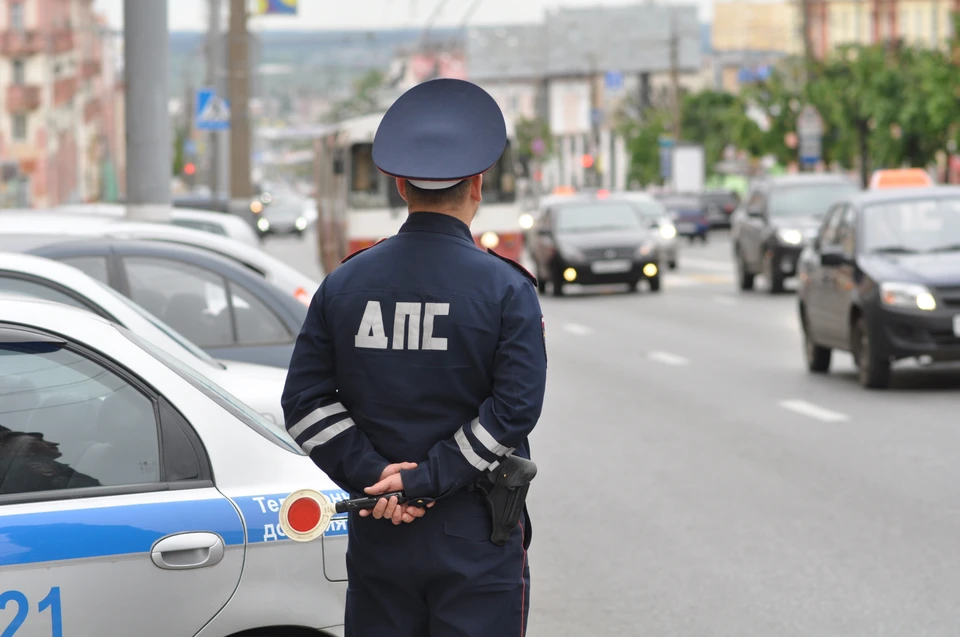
x=147, y=118
x=238, y=86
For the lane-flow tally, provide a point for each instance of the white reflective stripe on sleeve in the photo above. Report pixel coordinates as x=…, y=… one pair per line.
x=314, y=417
x=327, y=434
x=469, y=454
x=489, y=441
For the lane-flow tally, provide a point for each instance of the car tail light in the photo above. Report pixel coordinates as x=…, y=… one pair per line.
x=728, y=208
x=305, y=515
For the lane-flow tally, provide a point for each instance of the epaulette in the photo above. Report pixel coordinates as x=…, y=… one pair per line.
x=516, y=265
x=353, y=254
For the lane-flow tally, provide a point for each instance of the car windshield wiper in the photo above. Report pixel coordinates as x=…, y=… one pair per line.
x=952, y=247
x=893, y=250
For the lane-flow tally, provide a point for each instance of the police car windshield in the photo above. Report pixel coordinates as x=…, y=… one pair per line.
x=597, y=217
x=272, y=432
x=166, y=329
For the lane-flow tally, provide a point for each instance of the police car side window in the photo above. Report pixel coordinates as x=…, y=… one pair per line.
x=69, y=422
x=17, y=285
x=191, y=300
x=256, y=323
x=94, y=267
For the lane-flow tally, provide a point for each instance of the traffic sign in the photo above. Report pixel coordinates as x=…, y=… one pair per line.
x=213, y=112
x=614, y=80
x=810, y=135
x=666, y=157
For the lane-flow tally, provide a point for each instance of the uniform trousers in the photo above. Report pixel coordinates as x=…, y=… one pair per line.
x=438, y=576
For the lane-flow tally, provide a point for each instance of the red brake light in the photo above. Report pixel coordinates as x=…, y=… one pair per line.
x=603, y=194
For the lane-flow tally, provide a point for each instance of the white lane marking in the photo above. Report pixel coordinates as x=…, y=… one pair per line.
x=813, y=411
x=725, y=300
x=706, y=264
x=668, y=359
x=579, y=330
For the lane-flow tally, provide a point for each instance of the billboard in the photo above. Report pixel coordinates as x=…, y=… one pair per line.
x=569, y=107
x=276, y=7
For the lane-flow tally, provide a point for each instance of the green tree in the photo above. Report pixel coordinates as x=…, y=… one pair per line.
x=716, y=120
x=179, y=158
x=643, y=144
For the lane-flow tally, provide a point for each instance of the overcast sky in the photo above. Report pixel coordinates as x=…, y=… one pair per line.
x=380, y=14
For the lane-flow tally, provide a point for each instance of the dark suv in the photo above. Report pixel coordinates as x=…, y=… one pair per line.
x=779, y=216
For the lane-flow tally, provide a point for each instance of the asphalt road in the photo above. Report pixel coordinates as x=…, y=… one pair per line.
x=696, y=481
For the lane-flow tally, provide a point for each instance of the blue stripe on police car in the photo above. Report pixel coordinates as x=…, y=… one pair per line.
x=48, y=536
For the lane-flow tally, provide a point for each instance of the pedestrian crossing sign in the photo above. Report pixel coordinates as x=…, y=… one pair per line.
x=212, y=112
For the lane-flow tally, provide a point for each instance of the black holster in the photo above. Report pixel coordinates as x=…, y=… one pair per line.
x=504, y=490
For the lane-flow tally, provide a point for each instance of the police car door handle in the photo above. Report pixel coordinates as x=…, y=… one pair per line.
x=187, y=550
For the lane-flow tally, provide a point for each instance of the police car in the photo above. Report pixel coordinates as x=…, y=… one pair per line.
x=137, y=498
x=32, y=276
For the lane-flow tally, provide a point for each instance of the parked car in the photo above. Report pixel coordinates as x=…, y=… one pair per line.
x=219, y=223
x=38, y=228
x=689, y=215
x=41, y=278
x=882, y=280
x=224, y=309
x=129, y=480
x=589, y=240
x=781, y=214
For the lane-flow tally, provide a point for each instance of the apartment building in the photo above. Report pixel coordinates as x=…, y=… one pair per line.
x=833, y=23
x=57, y=104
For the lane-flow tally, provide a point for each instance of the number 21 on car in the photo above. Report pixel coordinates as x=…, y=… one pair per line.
x=22, y=608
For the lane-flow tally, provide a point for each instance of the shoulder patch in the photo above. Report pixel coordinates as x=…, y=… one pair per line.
x=353, y=254
x=516, y=266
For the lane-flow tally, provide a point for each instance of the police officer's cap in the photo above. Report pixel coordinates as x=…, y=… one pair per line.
x=439, y=133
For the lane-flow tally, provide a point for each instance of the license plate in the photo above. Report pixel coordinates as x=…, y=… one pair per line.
x=608, y=267
x=687, y=228
x=956, y=325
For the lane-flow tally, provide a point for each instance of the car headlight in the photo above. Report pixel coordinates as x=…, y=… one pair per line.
x=907, y=295
x=526, y=221
x=301, y=223
x=263, y=224
x=793, y=237
x=668, y=230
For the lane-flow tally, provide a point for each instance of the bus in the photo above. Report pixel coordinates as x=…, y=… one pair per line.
x=357, y=205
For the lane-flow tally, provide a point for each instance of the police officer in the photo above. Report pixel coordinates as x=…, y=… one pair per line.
x=421, y=367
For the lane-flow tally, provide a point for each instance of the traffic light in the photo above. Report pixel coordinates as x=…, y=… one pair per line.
x=586, y=161
x=189, y=169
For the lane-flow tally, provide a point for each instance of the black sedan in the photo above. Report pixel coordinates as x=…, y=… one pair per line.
x=225, y=309
x=882, y=280
x=594, y=240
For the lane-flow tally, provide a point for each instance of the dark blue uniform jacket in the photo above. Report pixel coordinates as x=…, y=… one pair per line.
x=423, y=348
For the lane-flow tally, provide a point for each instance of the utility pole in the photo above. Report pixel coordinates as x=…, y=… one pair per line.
x=215, y=155
x=147, y=117
x=238, y=83
x=675, y=75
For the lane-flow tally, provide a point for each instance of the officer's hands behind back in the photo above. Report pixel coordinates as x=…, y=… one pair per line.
x=391, y=481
